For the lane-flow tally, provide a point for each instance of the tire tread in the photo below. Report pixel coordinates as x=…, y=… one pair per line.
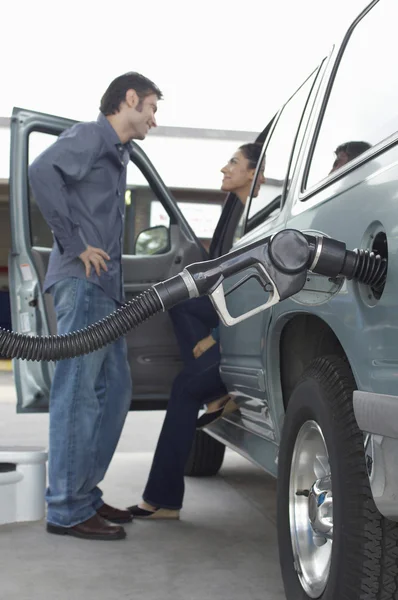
x=206, y=456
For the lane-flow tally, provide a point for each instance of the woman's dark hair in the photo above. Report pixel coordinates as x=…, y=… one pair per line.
x=252, y=153
x=116, y=92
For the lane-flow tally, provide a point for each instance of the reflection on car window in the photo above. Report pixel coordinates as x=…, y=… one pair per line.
x=270, y=190
x=278, y=153
x=362, y=109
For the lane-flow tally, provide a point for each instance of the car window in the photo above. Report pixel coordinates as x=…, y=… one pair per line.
x=201, y=216
x=362, y=108
x=40, y=233
x=142, y=210
x=266, y=198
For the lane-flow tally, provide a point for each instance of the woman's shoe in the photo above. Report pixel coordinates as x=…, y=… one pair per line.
x=210, y=417
x=158, y=513
x=217, y=404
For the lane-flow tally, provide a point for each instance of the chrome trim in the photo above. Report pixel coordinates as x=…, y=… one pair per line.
x=160, y=300
x=218, y=299
x=190, y=283
x=320, y=509
x=311, y=509
x=317, y=253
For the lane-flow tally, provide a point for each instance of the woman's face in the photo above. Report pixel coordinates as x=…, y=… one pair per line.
x=238, y=176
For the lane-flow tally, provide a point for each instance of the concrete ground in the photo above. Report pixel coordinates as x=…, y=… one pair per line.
x=224, y=547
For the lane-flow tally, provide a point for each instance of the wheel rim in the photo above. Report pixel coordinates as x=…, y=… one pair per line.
x=311, y=509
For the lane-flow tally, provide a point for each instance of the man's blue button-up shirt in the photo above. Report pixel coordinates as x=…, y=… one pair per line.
x=79, y=184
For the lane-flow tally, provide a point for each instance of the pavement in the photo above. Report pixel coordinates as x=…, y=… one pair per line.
x=223, y=548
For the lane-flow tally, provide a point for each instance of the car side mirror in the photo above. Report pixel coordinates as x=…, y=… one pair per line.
x=154, y=240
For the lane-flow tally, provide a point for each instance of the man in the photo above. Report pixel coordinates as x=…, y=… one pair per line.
x=79, y=184
x=347, y=152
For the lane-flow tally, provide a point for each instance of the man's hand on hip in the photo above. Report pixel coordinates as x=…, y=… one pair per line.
x=94, y=257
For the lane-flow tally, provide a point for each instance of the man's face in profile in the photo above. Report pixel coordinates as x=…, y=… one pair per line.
x=341, y=159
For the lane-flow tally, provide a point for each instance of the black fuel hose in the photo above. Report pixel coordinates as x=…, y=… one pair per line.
x=106, y=331
x=282, y=260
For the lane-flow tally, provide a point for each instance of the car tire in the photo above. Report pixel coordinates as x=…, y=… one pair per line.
x=358, y=558
x=206, y=458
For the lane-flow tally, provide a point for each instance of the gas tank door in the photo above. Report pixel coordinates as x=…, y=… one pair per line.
x=319, y=289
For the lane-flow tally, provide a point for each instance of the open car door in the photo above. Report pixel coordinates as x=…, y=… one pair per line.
x=150, y=255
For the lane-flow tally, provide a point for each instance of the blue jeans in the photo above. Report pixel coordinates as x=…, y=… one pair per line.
x=197, y=383
x=192, y=320
x=89, y=401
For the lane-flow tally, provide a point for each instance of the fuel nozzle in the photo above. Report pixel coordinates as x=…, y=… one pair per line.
x=281, y=271
x=280, y=264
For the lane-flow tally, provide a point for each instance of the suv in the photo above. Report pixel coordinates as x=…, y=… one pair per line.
x=315, y=376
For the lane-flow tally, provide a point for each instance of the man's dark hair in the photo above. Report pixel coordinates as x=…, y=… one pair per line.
x=252, y=153
x=353, y=149
x=116, y=92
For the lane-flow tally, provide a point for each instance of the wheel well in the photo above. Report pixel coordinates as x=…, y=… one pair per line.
x=304, y=338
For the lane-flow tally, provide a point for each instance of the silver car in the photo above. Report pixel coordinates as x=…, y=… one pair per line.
x=315, y=376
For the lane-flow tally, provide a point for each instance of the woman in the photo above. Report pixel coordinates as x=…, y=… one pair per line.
x=199, y=381
x=195, y=319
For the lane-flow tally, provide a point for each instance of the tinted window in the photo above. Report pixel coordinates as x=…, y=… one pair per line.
x=362, y=109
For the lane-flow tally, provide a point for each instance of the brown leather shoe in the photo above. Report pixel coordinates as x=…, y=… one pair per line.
x=115, y=515
x=95, y=528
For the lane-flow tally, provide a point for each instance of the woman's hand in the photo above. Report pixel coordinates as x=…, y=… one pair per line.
x=203, y=345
